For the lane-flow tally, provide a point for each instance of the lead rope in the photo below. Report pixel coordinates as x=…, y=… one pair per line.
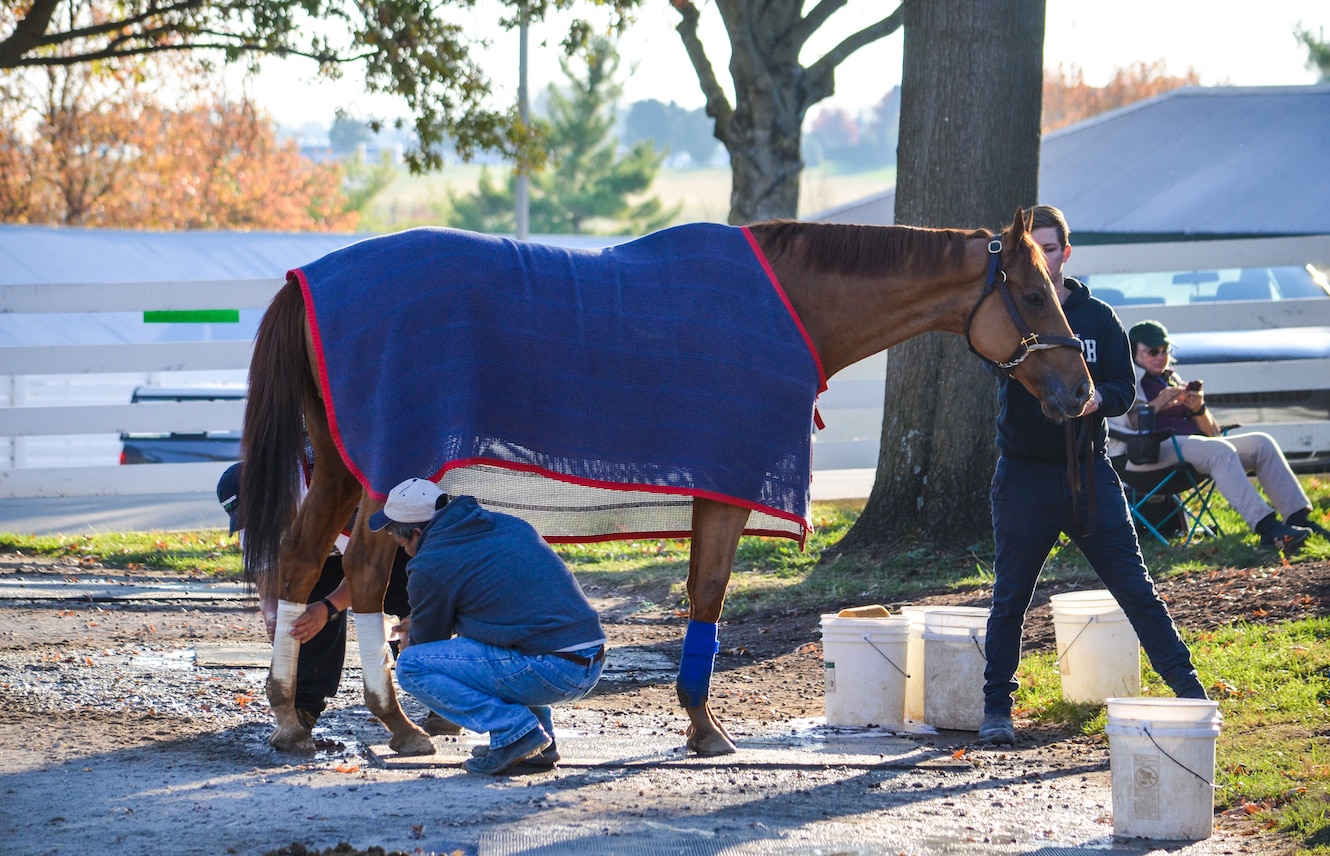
x=1076, y=443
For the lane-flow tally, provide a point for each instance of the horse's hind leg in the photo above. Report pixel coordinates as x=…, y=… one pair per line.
x=368, y=563
x=716, y=530
x=325, y=509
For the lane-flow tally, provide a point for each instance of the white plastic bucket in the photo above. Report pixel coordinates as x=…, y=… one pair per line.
x=914, y=663
x=864, y=665
x=954, y=663
x=1099, y=655
x=1162, y=753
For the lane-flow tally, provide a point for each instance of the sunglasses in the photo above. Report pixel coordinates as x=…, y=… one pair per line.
x=1155, y=352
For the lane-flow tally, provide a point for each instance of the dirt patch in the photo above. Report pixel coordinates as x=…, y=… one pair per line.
x=83, y=718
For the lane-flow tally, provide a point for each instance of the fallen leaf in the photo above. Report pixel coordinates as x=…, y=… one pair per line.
x=958, y=754
x=347, y=768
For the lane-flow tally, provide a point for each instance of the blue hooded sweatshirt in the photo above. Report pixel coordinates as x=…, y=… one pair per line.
x=490, y=577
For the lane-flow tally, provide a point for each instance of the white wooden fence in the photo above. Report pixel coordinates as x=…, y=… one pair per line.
x=19, y=421
x=852, y=405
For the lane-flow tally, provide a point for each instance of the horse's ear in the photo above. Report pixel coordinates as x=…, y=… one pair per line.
x=1020, y=223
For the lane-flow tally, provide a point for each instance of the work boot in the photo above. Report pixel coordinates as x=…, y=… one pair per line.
x=1287, y=539
x=1304, y=520
x=503, y=759
x=997, y=728
x=307, y=718
x=543, y=760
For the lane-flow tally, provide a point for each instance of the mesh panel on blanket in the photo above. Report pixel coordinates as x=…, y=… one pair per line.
x=562, y=511
x=633, y=377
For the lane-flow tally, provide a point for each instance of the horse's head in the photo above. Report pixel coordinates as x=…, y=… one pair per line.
x=1024, y=332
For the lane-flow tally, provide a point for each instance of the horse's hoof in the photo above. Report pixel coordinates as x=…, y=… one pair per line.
x=710, y=743
x=292, y=740
x=415, y=742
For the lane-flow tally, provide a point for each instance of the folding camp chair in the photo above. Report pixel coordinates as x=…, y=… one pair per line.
x=1179, y=493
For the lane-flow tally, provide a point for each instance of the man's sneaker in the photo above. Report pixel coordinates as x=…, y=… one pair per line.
x=1287, y=539
x=437, y=726
x=997, y=728
x=543, y=760
x=501, y=760
x=1303, y=519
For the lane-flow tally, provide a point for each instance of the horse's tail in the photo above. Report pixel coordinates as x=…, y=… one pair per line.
x=272, y=444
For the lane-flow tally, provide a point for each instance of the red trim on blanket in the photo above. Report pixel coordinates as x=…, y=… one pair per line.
x=603, y=485
x=312, y=319
x=789, y=307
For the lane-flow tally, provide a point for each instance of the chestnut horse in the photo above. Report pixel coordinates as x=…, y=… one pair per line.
x=855, y=291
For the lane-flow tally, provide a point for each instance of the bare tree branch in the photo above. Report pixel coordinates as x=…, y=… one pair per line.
x=822, y=74
x=718, y=106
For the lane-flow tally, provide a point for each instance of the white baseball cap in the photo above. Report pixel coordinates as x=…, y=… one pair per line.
x=412, y=501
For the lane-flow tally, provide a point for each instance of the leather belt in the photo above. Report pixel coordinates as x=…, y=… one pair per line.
x=578, y=658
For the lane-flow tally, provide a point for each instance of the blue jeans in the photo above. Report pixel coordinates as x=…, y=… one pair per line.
x=486, y=688
x=1032, y=506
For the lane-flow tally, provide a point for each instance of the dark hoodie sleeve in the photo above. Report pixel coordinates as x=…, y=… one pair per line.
x=1113, y=374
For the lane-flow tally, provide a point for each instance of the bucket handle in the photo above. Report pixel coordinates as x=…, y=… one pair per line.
x=1090, y=619
x=1209, y=784
x=869, y=640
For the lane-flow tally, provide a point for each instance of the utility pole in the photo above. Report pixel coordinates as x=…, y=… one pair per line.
x=522, y=197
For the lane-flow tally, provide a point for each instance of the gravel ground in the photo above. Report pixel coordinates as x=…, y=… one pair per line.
x=117, y=740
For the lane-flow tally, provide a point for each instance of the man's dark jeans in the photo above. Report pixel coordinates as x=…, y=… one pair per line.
x=1032, y=506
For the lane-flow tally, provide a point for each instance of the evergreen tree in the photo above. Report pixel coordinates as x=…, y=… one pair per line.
x=585, y=182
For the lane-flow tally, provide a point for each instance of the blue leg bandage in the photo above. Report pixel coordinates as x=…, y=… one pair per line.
x=697, y=662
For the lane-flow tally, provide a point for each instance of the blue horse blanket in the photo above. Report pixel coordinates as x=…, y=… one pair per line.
x=592, y=393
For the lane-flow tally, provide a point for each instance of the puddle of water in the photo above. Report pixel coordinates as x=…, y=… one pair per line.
x=176, y=659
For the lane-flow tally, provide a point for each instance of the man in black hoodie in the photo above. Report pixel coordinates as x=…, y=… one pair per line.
x=1034, y=502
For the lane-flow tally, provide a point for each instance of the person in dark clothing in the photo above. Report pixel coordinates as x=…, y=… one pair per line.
x=1033, y=501
x=526, y=636
x=322, y=629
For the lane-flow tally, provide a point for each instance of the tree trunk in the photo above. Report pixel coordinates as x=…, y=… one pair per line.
x=968, y=158
x=762, y=130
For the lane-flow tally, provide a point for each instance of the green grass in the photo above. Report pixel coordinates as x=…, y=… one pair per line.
x=211, y=552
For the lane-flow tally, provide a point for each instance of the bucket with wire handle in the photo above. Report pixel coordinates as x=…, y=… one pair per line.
x=1099, y=655
x=1162, y=754
x=864, y=665
x=954, y=662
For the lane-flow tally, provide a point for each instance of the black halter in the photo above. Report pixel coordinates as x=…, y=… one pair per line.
x=1030, y=342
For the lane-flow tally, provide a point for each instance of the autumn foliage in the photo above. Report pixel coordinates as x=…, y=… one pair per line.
x=87, y=147
x=1068, y=99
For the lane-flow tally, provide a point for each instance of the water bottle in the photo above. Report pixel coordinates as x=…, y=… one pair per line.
x=1145, y=419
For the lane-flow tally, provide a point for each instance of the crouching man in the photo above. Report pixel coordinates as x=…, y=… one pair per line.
x=526, y=637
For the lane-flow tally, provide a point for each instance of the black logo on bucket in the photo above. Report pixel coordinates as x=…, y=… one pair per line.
x=1145, y=786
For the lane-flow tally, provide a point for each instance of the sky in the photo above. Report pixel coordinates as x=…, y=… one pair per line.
x=1225, y=41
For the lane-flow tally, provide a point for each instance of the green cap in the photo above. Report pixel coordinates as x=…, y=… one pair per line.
x=1152, y=334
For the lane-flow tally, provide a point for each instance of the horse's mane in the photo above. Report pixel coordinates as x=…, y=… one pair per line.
x=855, y=250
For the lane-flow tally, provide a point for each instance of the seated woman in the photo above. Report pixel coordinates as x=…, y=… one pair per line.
x=1180, y=407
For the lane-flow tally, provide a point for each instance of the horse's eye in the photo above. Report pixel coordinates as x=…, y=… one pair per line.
x=1034, y=300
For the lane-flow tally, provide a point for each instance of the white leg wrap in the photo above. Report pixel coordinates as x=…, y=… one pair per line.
x=374, y=652
x=285, y=648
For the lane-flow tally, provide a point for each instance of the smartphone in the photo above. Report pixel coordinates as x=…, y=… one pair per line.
x=1194, y=386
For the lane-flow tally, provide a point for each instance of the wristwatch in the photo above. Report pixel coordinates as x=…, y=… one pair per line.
x=333, y=611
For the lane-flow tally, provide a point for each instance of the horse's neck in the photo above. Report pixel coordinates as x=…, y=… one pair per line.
x=849, y=318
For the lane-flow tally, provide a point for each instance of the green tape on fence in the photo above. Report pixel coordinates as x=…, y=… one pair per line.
x=192, y=316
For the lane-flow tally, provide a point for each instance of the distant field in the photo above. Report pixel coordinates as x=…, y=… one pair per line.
x=413, y=200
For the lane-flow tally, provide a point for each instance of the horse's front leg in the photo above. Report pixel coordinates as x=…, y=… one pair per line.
x=716, y=531
x=298, y=572
x=368, y=564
